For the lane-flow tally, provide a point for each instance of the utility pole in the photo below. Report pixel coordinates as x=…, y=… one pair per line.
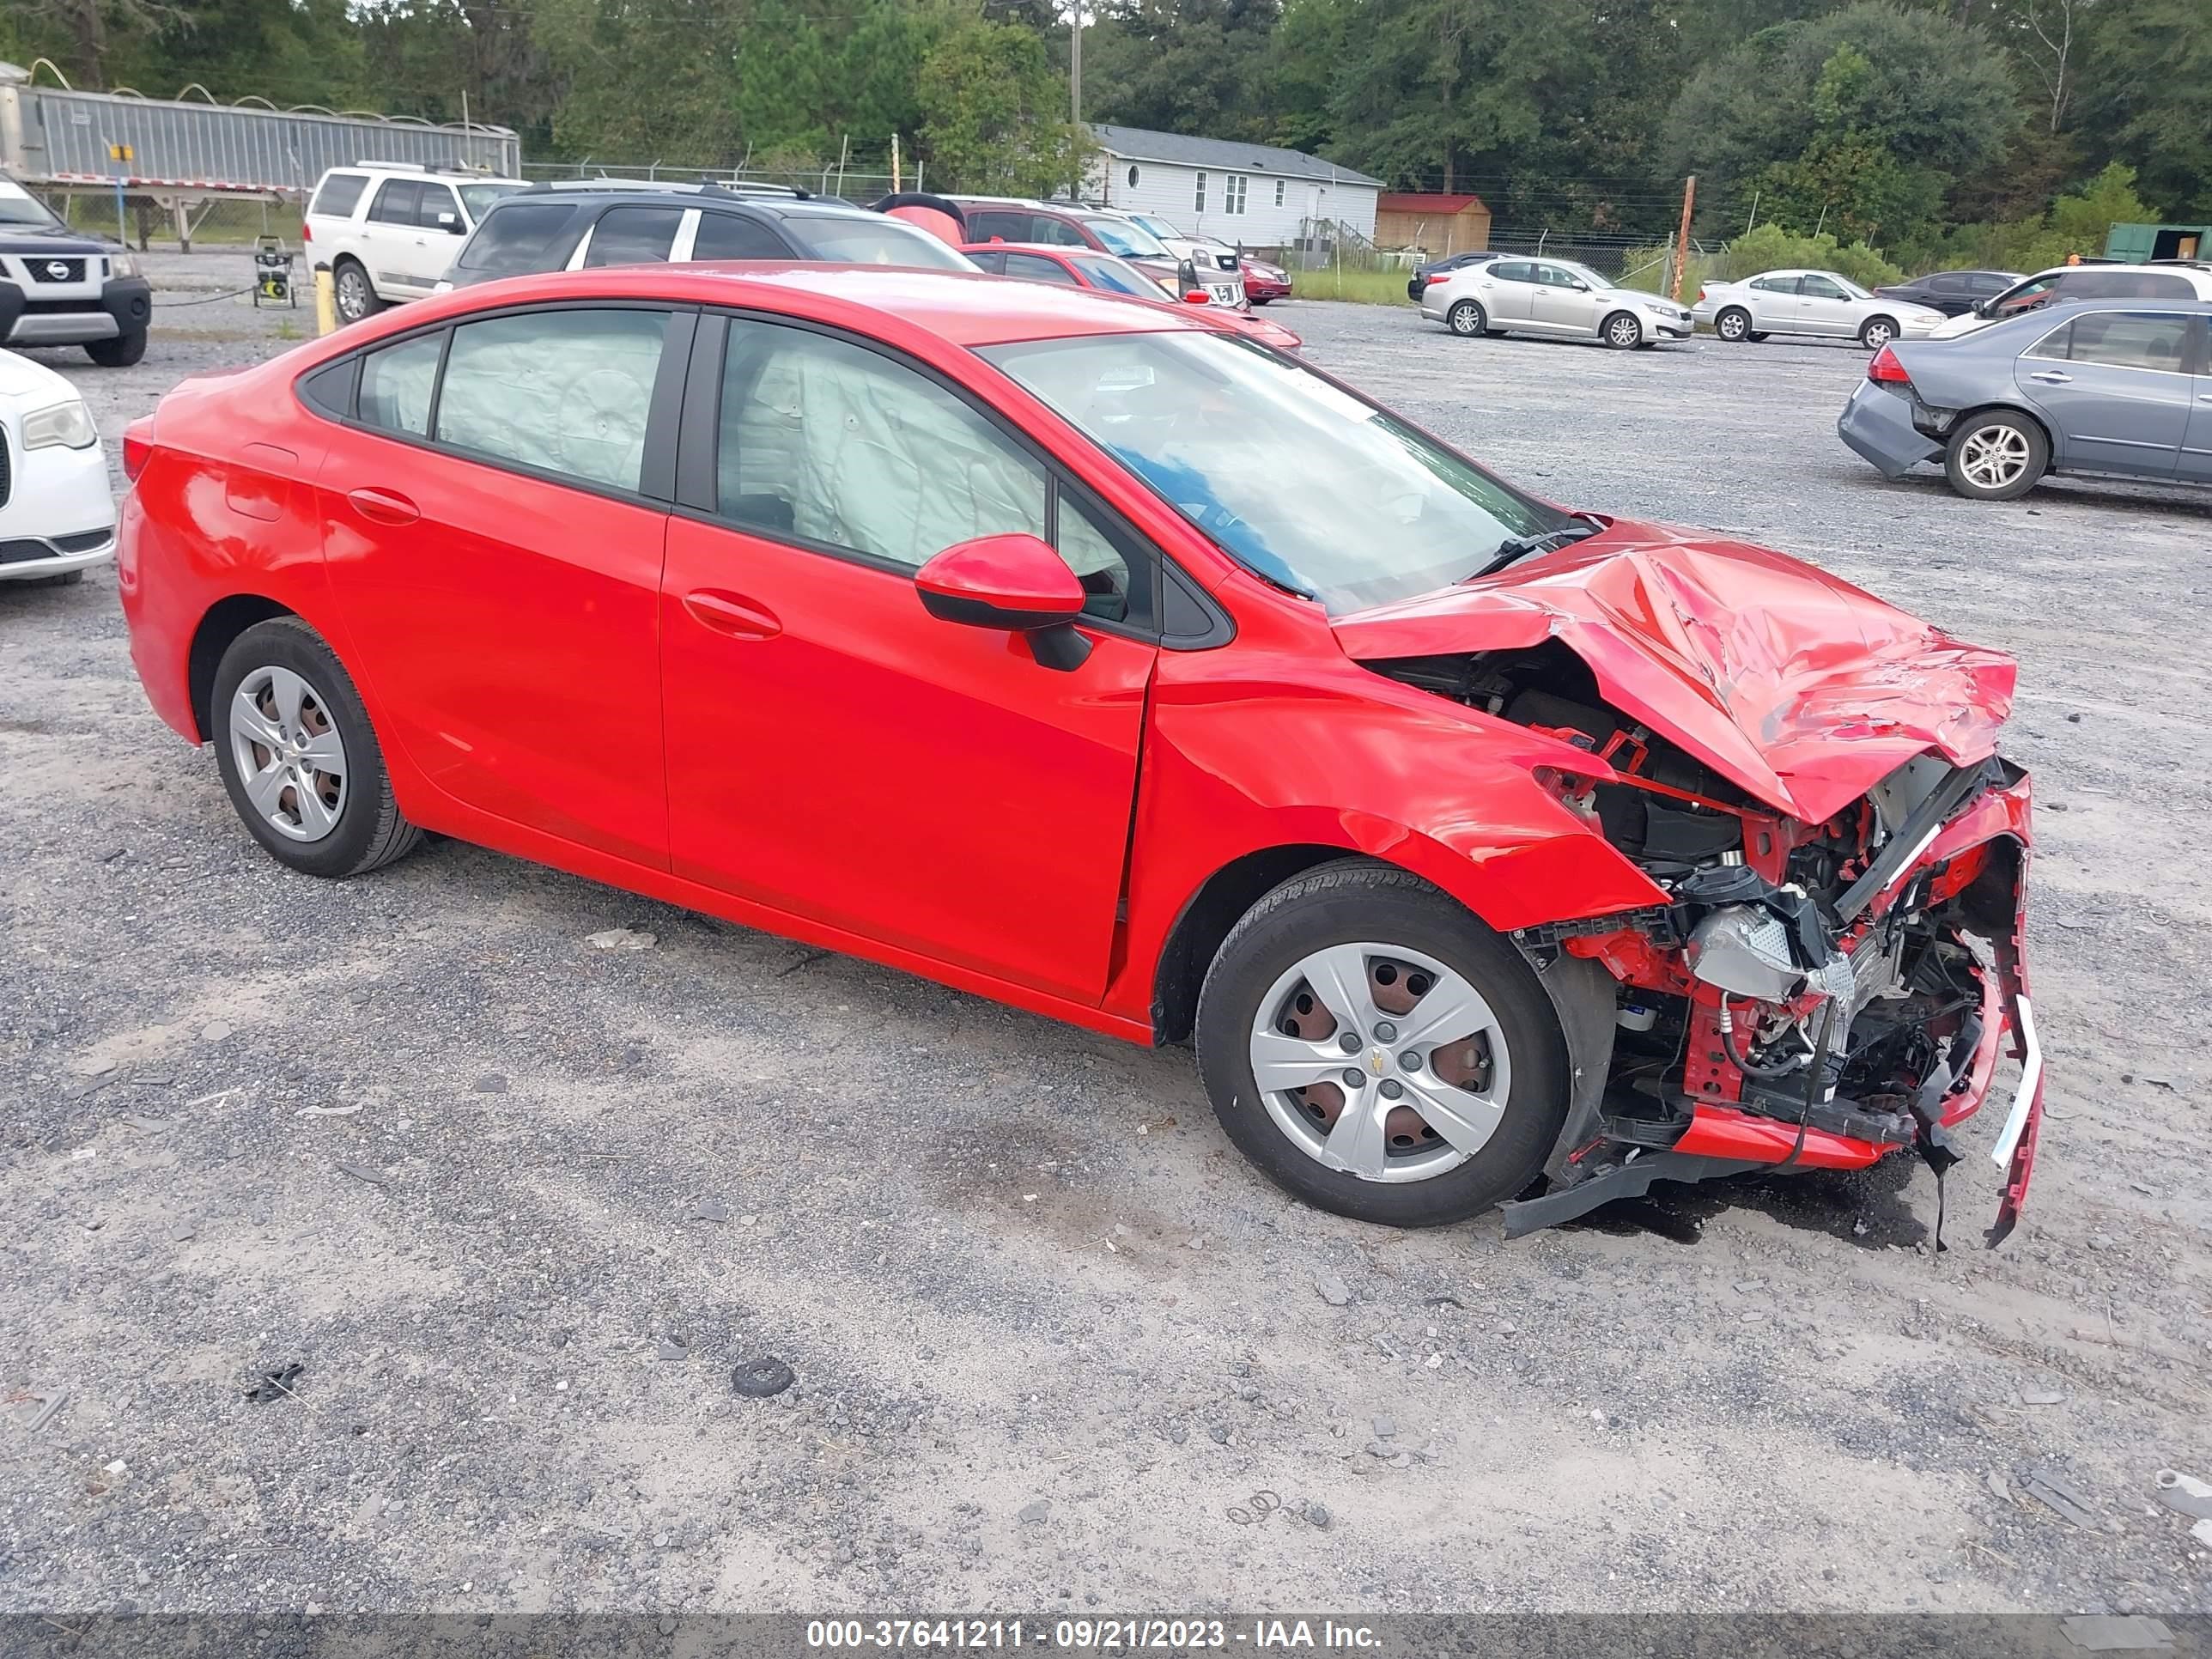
x=1682, y=240
x=895, y=164
x=1075, y=66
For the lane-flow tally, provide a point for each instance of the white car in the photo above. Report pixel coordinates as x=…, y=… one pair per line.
x=1552, y=296
x=388, y=233
x=1823, y=302
x=57, y=512
x=2180, y=279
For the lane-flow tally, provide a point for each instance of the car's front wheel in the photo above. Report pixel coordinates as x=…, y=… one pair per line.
x=1733, y=325
x=1878, y=333
x=1622, y=331
x=1996, y=455
x=1379, y=1052
x=299, y=759
x=120, y=352
x=1467, y=319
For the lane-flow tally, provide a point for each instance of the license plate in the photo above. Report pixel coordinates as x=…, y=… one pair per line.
x=1222, y=294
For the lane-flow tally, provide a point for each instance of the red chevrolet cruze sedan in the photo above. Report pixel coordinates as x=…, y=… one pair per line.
x=1083, y=655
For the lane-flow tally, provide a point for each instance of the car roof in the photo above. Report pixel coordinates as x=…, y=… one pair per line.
x=2187, y=305
x=444, y=175
x=964, y=308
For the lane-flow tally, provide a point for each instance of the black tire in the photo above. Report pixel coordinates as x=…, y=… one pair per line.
x=1354, y=900
x=370, y=832
x=1466, y=318
x=120, y=352
x=66, y=579
x=1757, y=336
x=1619, y=338
x=1876, y=332
x=1960, y=454
x=1734, y=325
x=353, y=295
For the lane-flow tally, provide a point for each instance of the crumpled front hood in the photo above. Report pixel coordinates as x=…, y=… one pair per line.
x=1804, y=690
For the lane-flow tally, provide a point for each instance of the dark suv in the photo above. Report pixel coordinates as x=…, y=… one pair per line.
x=620, y=222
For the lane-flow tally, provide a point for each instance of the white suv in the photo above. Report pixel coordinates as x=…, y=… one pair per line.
x=388, y=232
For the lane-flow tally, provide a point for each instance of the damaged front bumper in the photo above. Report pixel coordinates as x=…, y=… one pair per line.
x=1959, y=900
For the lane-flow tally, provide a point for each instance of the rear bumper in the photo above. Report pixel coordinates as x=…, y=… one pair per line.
x=1877, y=424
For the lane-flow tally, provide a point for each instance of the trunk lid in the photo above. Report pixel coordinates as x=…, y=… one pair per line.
x=1804, y=690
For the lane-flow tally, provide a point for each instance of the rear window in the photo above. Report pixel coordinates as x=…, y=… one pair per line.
x=518, y=237
x=340, y=194
x=875, y=240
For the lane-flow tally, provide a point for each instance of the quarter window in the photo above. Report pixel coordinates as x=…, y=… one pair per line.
x=825, y=442
x=633, y=236
x=565, y=391
x=395, y=383
x=733, y=236
x=1776, y=285
x=518, y=237
x=340, y=195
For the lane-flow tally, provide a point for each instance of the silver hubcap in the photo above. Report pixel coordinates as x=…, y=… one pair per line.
x=1993, y=456
x=1623, y=330
x=1733, y=327
x=1467, y=320
x=1381, y=1062
x=353, y=295
x=289, y=753
x=1879, y=335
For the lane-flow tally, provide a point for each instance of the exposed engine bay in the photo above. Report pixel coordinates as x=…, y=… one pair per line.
x=1812, y=995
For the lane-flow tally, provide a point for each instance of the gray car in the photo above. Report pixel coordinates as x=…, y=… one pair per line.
x=2123, y=387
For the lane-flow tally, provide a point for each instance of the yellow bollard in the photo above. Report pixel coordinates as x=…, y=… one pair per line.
x=326, y=307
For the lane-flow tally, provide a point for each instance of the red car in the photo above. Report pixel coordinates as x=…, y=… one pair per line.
x=1082, y=654
x=1264, y=282
x=1081, y=268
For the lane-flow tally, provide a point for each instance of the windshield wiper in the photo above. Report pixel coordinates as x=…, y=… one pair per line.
x=1514, y=548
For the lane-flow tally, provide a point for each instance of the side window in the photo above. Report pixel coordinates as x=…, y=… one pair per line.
x=439, y=209
x=1553, y=276
x=1983, y=286
x=1039, y=269
x=2053, y=346
x=733, y=236
x=633, y=236
x=396, y=202
x=994, y=263
x=1513, y=270
x=340, y=195
x=2028, y=295
x=396, y=382
x=567, y=391
x=997, y=227
x=1055, y=232
x=1098, y=564
x=1820, y=287
x=1776, y=285
x=2118, y=339
x=519, y=236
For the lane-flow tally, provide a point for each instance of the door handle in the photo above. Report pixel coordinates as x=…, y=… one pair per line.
x=384, y=506
x=732, y=614
x=2052, y=377
x=2204, y=397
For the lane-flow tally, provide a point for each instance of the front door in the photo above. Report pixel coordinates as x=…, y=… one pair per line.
x=2121, y=397
x=496, y=558
x=835, y=752
x=1563, y=302
x=1824, y=307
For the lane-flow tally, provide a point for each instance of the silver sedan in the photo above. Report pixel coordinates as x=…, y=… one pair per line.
x=1823, y=302
x=1552, y=296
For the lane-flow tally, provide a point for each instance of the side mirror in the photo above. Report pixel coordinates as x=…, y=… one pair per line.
x=1014, y=581
x=451, y=224
x=1197, y=296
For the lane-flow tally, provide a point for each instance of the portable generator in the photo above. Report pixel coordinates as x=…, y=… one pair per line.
x=272, y=273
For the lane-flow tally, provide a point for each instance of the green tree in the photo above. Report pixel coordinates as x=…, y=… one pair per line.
x=2142, y=91
x=992, y=112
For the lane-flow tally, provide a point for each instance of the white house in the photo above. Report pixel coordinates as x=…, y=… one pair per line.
x=1248, y=194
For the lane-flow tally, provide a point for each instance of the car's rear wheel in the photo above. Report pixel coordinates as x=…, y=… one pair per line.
x=1379, y=1052
x=1467, y=319
x=120, y=352
x=298, y=757
x=1995, y=456
x=1734, y=325
x=355, y=295
x=1877, y=333
x=1622, y=331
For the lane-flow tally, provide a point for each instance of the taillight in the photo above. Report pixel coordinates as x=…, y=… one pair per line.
x=137, y=447
x=307, y=231
x=1701, y=293
x=1438, y=277
x=1885, y=368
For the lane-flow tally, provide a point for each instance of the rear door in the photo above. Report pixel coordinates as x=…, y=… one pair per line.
x=836, y=752
x=1507, y=288
x=494, y=510
x=388, y=238
x=439, y=232
x=2117, y=388
x=1772, y=302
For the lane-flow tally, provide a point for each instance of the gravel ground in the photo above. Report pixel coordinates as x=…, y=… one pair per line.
x=518, y=1205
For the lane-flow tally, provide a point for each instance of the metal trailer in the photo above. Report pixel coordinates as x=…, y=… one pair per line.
x=181, y=153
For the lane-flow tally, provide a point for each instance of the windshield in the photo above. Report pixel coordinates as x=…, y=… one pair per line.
x=1130, y=241
x=1157, y=225
x=878, y=241
x=19, y=207
x=478, y=199
x=1292, y=477
x=1847, y=285
x=1104, y=270
x=1583, y=274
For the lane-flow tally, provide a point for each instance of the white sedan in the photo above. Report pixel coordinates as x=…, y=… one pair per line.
x=57, y=512
x=1552, y=296
x=1823, y=302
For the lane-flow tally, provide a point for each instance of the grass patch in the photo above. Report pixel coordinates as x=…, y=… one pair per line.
x=1370, y=287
